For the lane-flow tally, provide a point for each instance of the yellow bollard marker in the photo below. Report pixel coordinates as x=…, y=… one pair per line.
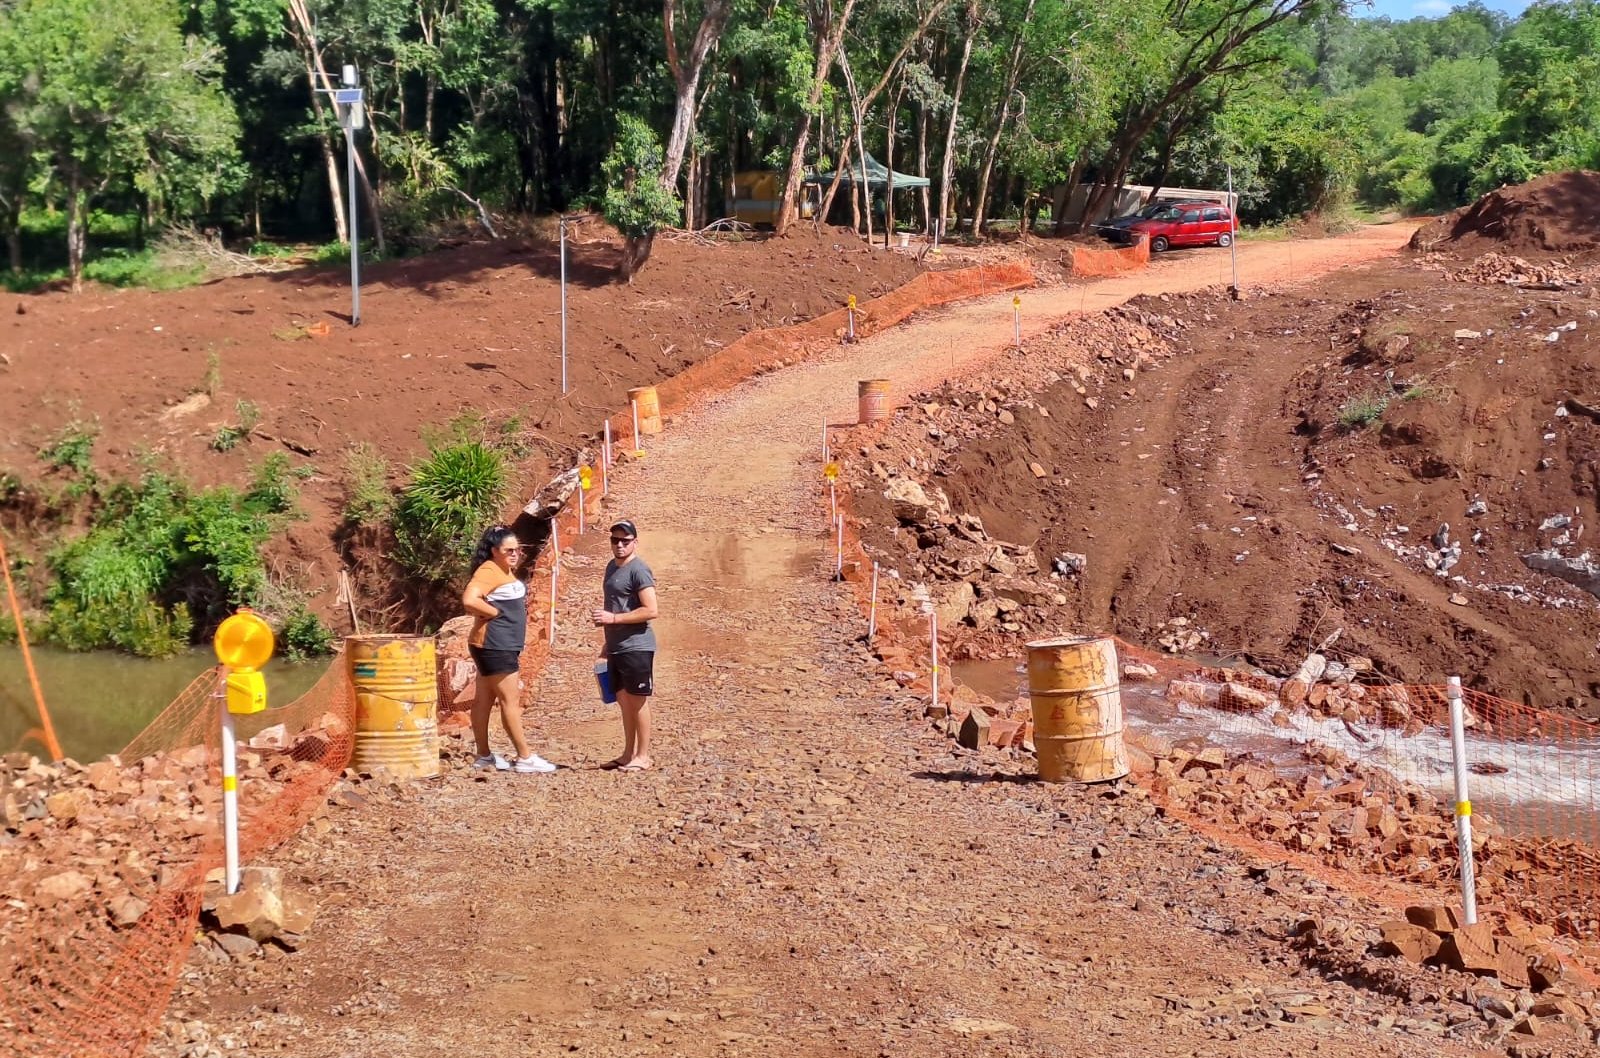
x=243, y=644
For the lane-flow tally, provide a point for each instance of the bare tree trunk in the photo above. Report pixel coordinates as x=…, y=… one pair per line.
x=13, y=226
x=713, y=18
x=947, y=170
x=888, y=165
x=1013, y=72
x=797, y=153
x=833, y=188
x=427, y=106
x=301, y=30
x=77, y=229
x=922, y=167
x=692, y=181
x=861, y=143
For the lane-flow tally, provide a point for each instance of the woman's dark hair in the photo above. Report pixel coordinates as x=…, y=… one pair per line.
x=492, y=538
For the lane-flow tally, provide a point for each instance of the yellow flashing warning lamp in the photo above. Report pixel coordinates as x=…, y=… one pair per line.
x=852, y=302
x=1016, y=301
x=244, y=643
x=585, y=478
x=831, y=471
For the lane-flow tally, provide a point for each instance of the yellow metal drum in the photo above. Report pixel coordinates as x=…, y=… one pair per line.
x=872, y=399
x=649, y=408
x=397, y=698
x=1077, y=709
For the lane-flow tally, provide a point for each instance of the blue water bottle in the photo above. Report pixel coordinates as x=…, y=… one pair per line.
x=602, y=676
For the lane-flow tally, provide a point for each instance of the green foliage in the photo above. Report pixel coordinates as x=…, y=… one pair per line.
x=73, y=448
x=303, y=636
x=227, y=438
x=1363, y=411
x=272, y=489
x=155, y=553
x=368, y=500
x=450, y=499
x=102, y=93
x=635, y=202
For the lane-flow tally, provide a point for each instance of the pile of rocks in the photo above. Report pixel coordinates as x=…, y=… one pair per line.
x=87, y=849
x=1495, y=267
x=266, y=909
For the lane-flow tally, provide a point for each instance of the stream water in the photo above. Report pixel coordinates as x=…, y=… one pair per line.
x=99, y=700
x=1529, y=786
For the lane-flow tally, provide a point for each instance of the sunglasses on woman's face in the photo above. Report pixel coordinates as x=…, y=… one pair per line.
x=511, y=550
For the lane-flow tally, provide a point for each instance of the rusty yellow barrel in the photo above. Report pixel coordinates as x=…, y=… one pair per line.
x=1077, y=709
x=872, y=399
x=649, y=408
x=397, y=698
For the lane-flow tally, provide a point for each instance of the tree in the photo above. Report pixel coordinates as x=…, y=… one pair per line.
x=686, y=71
x=107, y=91
x=637, y=201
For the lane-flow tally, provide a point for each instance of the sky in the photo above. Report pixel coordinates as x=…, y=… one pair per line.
x=1403, y=9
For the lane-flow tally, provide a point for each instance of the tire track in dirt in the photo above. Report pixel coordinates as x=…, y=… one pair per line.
x=804, y=870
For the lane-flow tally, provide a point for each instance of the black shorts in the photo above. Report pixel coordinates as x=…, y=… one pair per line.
x=495, y=662
x=633, y=672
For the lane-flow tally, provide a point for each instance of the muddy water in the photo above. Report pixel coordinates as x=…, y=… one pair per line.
x=100, y=700
x=1529, y=788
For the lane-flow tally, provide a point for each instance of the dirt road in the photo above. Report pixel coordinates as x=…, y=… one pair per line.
x=807, y=868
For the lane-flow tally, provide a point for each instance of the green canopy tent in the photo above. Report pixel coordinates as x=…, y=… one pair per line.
x=877, y=180
x=877, y=177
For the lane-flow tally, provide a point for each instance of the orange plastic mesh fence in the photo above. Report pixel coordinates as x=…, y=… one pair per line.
x=1087, y=262
x=91, y=973
x=767, y=350
x=24, y=716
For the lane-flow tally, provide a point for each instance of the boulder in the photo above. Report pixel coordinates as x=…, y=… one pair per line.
x=1471, y=949
x=1411, y=942
x=263, y=907
x=60, y=887
x=974, y=732
x=910, y=503
x=956, y=604
x=1239, y=698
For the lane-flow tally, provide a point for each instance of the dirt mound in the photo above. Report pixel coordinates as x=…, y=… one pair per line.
x=1293, y=465
x=1559, y=213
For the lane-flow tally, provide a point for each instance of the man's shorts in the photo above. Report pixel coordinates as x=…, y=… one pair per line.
x=633, y=672
x=495, y=662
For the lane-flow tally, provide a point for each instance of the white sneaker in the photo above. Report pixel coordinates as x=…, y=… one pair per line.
x=532, y=764
x=491, y=760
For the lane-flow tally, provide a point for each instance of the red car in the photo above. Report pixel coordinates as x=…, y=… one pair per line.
x=1188, y=224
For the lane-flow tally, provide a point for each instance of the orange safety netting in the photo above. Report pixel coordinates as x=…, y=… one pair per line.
x=1087, y=262
x=767, y=350
x=86, y=987
x=93, y=977
x=747, y=357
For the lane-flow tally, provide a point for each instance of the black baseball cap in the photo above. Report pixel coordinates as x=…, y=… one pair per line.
x=626, y=528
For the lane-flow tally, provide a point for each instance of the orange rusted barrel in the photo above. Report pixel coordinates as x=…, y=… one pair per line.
x=1076, y=694
x=649, y=408
x=872, y=399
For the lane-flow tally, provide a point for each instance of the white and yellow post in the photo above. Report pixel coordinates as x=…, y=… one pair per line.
x=933, y=636
x=638, y=439
x=243, y=644
x=1016, y=319
x=1458, y=751
x=585, y=480
x=605, y=463
x=872, y=614
x=850, y=308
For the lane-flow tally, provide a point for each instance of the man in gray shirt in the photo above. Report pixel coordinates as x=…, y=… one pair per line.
x=630, y=643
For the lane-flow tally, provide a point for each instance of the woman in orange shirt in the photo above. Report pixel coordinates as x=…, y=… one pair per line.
x=498, y=601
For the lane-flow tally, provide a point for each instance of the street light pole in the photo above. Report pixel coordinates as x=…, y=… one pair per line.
x=348, y=77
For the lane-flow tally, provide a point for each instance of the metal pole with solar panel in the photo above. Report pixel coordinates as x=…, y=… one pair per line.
x=349, y=104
